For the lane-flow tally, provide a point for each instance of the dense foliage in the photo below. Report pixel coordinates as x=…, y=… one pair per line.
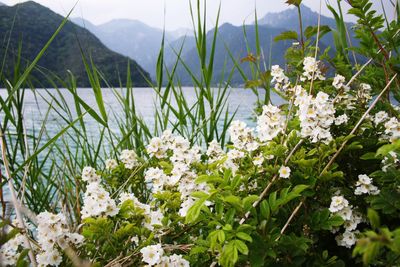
x=315, y=183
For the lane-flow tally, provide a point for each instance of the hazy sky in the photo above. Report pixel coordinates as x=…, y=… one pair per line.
x=151, y=12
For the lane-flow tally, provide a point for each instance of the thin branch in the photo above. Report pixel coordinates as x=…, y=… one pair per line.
x=266, y=189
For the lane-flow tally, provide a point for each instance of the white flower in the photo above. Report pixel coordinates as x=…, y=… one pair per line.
x=338, y=81
x=173, y=261
x=380, y=117
x=76, y=238
x=52, y=229
x=97, y=202
x=364, y=92
x=235, y=154
x=270, y=123
x=393, y=129
x=214, y=151
x=316, y=116
x=52, y=257
x=153, y=218
x=157, y=148
x=341, y=119
x=365, y=186
x=346, y=213
x=111, y=164
x=152, y=254
x=279, y=78
x=338, y=203
x=284, y=172
x=311, y=70
x=258, y=160
x=347, y=239
x=89, y=175
x=352, y=223
x=129, y=158
x=242, y=136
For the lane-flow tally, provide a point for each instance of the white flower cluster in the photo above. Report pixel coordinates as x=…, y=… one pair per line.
x=53, y=232
x=392, y=129
x=89, y=175
x=270, y=123
x=214, y=151
x=338, y=81
x=365, y=186
x=364, y=92
x=316, y=115
x=10, y=251
x=129, y=158
x=242, y=136
x=342, y=119
x=279, y=78
x=347, y=239
x=97, y=202
x=154, y=256
x=182, y=156
x=380, y=117
x=340, y=206
x=311, y=70
x=392, y=125
x=176, y=148
x=111, y=164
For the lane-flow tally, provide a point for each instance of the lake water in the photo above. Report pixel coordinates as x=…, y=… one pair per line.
x=37, y=103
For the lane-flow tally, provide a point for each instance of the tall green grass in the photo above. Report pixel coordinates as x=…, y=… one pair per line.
x=45, y=165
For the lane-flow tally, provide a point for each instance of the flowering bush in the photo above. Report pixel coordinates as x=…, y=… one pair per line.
x=274, y=195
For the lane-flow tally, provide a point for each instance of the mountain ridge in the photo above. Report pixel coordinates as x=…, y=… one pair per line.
x=35, y=24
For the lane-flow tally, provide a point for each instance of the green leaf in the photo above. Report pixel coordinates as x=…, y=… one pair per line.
x=373, y=218
x=368, y=156
x=264, y=209
x=287, y=35
x=21, y=259
x=310, y=31
x=244, y=236
x=384, y=150
x=229, y=255
x=194, y=211
x=248, y=201
x=294, y=2
x=242, y=247
x=234, y=200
